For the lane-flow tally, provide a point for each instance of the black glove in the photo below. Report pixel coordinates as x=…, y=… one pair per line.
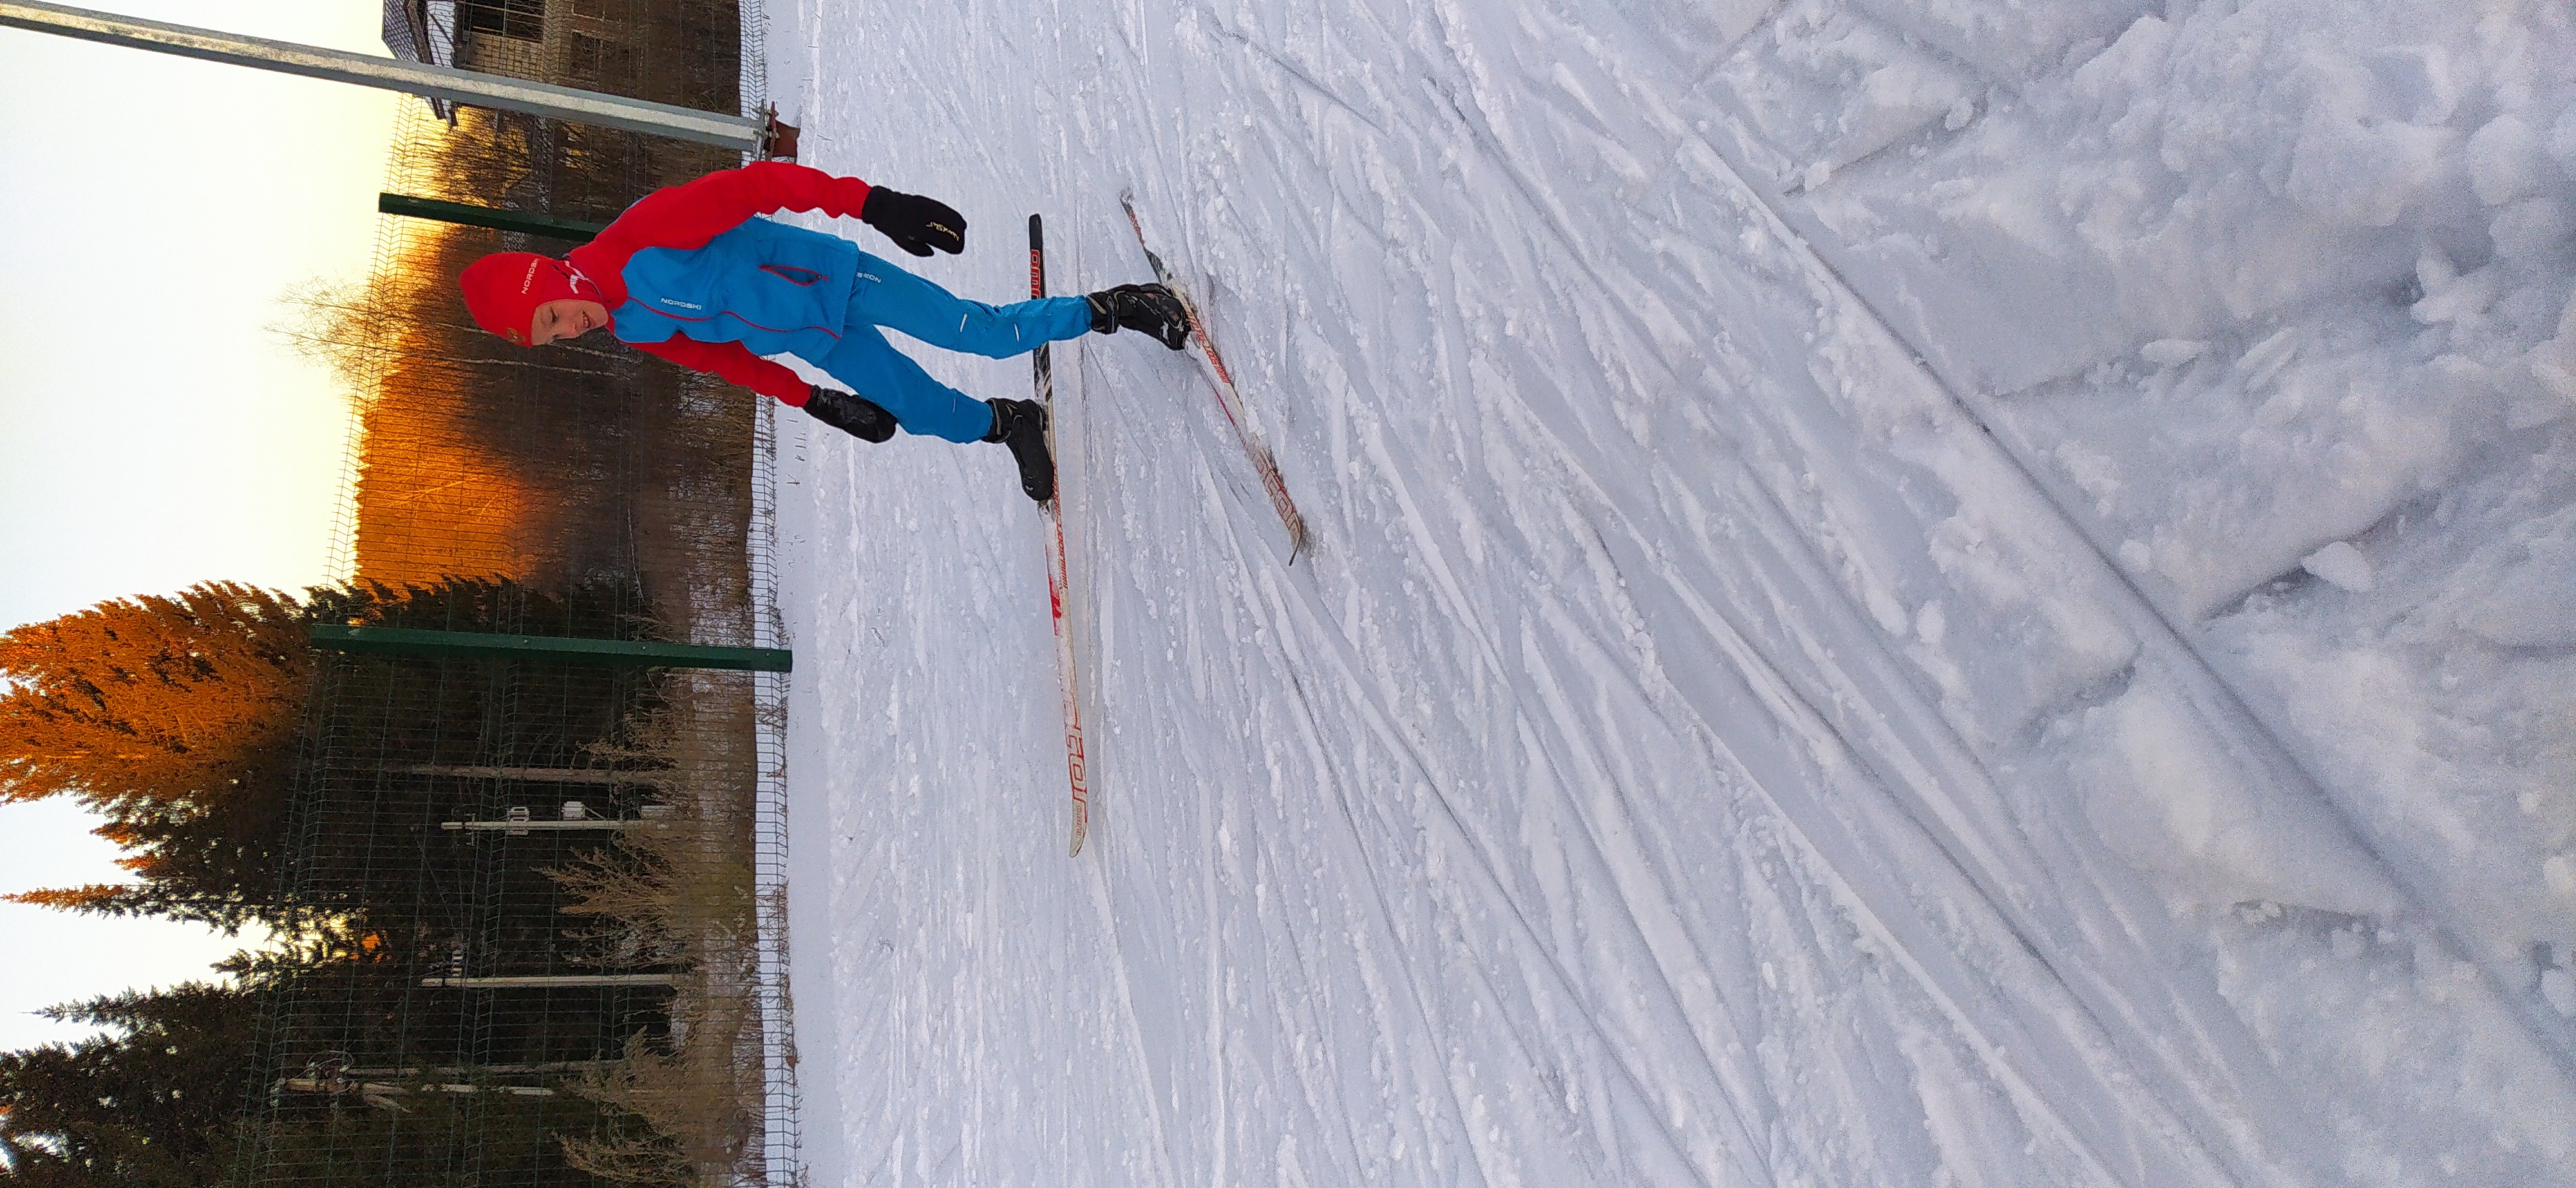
x=916, y=224
x=857, y=416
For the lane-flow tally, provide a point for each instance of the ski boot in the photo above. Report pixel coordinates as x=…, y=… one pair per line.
x=857, y=416
x=1150, y=308
x=1022, y=425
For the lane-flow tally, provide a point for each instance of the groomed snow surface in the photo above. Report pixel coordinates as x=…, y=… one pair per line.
x=1907, y=592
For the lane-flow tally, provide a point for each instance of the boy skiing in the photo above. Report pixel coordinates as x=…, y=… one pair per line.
x=693, y=274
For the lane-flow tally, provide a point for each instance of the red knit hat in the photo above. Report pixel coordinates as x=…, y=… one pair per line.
x=504, y=289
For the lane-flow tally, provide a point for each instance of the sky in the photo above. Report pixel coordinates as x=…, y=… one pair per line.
x=157, y=435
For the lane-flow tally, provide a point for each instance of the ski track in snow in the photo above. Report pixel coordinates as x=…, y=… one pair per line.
x=1707, y=744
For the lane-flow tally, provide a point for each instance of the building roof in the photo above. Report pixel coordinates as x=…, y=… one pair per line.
x=424, y=31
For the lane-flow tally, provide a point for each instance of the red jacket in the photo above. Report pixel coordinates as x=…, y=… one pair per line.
x=685, y=217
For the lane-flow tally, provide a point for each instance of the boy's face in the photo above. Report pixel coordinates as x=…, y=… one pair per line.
x=570, y=317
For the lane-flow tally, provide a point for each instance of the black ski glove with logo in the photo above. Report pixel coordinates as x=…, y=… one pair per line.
x=916, y=224
x=857, y=416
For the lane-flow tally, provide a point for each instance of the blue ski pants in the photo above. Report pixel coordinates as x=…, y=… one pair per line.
x=886, y=295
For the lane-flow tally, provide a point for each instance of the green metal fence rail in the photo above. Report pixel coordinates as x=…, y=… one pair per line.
x=495, y=218
x=398, y=641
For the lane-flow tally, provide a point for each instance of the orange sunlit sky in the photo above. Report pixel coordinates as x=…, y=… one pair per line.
x=153, y=433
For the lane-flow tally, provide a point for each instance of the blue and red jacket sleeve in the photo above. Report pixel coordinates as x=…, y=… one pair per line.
x=685, y=217
x=733, y=363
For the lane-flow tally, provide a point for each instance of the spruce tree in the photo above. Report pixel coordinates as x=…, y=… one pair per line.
x=154, y=700
x=173, y=717
x=181, y=720
x=148, y=1104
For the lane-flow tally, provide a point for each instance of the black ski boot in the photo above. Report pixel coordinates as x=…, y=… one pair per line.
x=855, y=415
x=1150, y=308
x=1022, y=425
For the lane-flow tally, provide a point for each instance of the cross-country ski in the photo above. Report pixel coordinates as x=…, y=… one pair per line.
x=1077, y=761
x=1255, y=450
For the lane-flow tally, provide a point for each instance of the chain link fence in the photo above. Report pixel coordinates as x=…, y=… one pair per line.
x=537, y=915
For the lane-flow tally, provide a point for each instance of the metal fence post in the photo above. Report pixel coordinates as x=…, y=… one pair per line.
x=757, y=135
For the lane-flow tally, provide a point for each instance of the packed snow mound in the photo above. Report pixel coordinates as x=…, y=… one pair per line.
x=2275, y=299
x=1906, y=591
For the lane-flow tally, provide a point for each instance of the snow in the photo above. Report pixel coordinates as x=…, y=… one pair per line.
x=1905, y=592
x=2342, y=565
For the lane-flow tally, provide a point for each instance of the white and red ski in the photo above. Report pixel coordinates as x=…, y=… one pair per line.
x=1076, y=760
x=1255, y=449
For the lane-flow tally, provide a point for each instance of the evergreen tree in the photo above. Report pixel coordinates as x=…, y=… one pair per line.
x=147, y=1104
x=183, y=721
x=176, y=719
x=173, y=717
x=154, y=700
